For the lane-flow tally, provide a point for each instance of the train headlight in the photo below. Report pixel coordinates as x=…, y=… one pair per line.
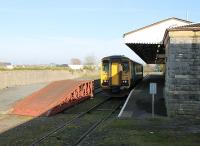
x=125, y=83
x=105, y=83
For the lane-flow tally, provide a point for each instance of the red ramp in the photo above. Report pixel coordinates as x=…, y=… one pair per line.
x=54, y=98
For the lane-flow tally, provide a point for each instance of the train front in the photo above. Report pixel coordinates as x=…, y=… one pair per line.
x=115, y=74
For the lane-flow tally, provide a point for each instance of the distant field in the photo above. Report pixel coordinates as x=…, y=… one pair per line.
x=36, y=68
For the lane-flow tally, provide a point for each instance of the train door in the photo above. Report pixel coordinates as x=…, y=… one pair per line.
x=115, y=73
x=133, y=72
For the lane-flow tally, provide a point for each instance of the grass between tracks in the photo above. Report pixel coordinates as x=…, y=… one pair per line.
x=26, y=133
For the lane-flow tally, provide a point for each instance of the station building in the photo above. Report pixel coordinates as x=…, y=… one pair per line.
x=175, y=43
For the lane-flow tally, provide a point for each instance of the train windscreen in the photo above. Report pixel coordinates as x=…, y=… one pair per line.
x=125, y=66
x=106, y=66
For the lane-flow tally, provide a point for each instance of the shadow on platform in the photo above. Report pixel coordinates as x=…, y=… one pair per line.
x=140, y=102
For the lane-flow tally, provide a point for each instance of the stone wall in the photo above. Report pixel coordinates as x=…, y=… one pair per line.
x=182, y=86
x=15, y=78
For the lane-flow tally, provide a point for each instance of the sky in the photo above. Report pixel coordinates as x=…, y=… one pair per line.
x=54, y=31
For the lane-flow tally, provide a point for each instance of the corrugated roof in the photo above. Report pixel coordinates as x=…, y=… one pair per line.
x=193, y=26
x=148, y=52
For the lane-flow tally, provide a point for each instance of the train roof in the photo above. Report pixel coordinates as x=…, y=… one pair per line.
x=117, y=57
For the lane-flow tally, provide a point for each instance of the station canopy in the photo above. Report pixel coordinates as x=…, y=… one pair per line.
x=147, y=42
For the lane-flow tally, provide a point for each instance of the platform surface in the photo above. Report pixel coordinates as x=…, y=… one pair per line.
x=53, y=98
x=140, y=101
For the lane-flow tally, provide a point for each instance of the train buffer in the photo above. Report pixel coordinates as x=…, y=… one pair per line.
x=54, y=98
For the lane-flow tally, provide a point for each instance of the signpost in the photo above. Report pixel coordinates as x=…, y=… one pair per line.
x=153, y=91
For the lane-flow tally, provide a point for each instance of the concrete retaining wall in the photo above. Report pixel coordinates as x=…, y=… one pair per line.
x=15, y=78
x=182, y=87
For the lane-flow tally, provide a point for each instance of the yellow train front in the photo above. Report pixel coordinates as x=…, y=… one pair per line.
x=119, y=74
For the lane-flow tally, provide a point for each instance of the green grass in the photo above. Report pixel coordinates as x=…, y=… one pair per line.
x=43, y=68
x=36, y=68
x=4, y=69
x=144, y=132
x=90, y=76
x=26, y=133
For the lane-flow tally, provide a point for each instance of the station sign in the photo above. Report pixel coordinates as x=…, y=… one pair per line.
x=153, y=91
x=153, y=88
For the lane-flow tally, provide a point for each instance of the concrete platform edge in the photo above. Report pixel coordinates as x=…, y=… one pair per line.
x=122, y=110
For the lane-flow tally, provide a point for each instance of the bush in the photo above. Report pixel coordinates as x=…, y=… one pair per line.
x=89, y=67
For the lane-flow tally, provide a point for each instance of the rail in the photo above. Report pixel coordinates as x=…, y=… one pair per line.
x=68, y=123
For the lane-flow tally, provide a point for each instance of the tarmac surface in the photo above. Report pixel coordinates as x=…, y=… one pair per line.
x=140, y=102
x=8, y=97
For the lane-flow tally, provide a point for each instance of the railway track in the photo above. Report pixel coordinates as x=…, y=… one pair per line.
x=77, y=118
x=93, y=109
x=97, y=91
x=97, y=87
x=65, y=124
x=95, y=125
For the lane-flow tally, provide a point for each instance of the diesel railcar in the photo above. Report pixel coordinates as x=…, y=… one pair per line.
x=119, y=73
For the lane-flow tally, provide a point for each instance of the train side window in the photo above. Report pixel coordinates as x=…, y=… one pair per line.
x=106, y=66
x=125, y=66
